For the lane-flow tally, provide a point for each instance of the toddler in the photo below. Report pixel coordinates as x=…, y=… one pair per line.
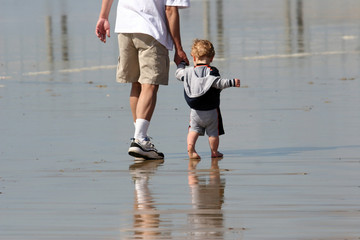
x=202, y=87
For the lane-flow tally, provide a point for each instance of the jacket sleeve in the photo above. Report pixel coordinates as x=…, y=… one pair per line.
x=221, y=83
x=180, y=71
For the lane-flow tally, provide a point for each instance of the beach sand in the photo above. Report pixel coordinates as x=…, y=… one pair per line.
x=291, y=149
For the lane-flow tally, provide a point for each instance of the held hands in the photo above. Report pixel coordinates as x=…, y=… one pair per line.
x=237, y=82
x=180, y=56
x=102, y=29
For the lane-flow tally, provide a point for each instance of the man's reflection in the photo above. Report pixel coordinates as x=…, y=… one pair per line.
x=207, y=194
x=146, y=218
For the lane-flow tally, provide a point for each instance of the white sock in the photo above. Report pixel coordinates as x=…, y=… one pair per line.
x=141, y=128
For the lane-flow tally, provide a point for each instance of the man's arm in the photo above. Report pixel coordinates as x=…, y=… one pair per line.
x=173, y=20
x=103, y=26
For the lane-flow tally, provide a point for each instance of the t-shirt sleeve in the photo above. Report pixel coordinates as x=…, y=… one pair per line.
x=178, y=3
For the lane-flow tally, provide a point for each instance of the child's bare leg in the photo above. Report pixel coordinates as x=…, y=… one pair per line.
x=214, y=144
x=191, y=141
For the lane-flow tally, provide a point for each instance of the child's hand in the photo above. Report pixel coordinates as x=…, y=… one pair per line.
x=237, y=82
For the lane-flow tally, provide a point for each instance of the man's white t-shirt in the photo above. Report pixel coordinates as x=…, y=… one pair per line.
x=148, y=17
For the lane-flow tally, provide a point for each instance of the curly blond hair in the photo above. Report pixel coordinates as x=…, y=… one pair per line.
x=202, y=48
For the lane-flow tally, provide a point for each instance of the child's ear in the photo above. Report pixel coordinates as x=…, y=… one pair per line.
x=211, y=59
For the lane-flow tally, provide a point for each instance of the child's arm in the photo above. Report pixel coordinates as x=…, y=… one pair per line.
x=222, y=83
x=179, y=73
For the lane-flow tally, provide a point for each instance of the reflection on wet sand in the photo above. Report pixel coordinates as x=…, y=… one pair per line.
x=64, y=39
x=219, y=25
x=293, y=42
x=204, y=221
x=207, y=195
x=206, y=19
x=220, y=29
x=146, y=218
x=51, y=43
x=292, y=144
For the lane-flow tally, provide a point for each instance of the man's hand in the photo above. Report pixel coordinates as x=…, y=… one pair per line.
x=180, y=56
x=102, y=29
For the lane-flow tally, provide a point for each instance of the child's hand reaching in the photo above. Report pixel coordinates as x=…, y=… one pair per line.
x=237, y=82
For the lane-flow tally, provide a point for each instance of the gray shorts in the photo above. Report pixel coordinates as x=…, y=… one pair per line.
x=142, y=59
x=209, y=121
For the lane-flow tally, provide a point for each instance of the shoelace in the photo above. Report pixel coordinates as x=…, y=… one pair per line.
x=149, y=143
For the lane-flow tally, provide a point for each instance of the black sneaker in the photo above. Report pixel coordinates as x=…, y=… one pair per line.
x=144, y=149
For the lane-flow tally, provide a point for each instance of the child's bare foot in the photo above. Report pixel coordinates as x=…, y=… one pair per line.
x=216, y=154
x=192, y=152
x=193, y=155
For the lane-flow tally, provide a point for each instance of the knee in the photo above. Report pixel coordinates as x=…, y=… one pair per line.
x=136, y=86
x=149, y=88
x=135, y=89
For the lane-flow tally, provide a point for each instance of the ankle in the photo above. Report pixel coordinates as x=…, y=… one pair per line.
x=191, y=148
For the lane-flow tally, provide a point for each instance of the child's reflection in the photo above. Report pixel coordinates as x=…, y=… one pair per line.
x=207, y=194
x=146, y=218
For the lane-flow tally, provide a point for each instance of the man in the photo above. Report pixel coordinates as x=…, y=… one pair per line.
x=147, y=30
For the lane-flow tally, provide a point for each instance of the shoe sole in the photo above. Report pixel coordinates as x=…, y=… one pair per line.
x=139, y=153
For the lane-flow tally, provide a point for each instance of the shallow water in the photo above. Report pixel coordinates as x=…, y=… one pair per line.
x=292, y=142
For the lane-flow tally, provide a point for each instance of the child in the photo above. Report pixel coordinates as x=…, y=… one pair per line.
x=202, y=87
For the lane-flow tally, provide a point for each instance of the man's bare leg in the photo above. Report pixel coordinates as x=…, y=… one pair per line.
x=147, y=101
x=142, y=103
x=134, y=98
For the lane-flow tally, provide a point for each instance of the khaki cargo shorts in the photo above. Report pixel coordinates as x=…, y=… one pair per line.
x=142, y=59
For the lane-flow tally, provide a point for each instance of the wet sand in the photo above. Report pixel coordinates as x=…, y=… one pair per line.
x=291, y=149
